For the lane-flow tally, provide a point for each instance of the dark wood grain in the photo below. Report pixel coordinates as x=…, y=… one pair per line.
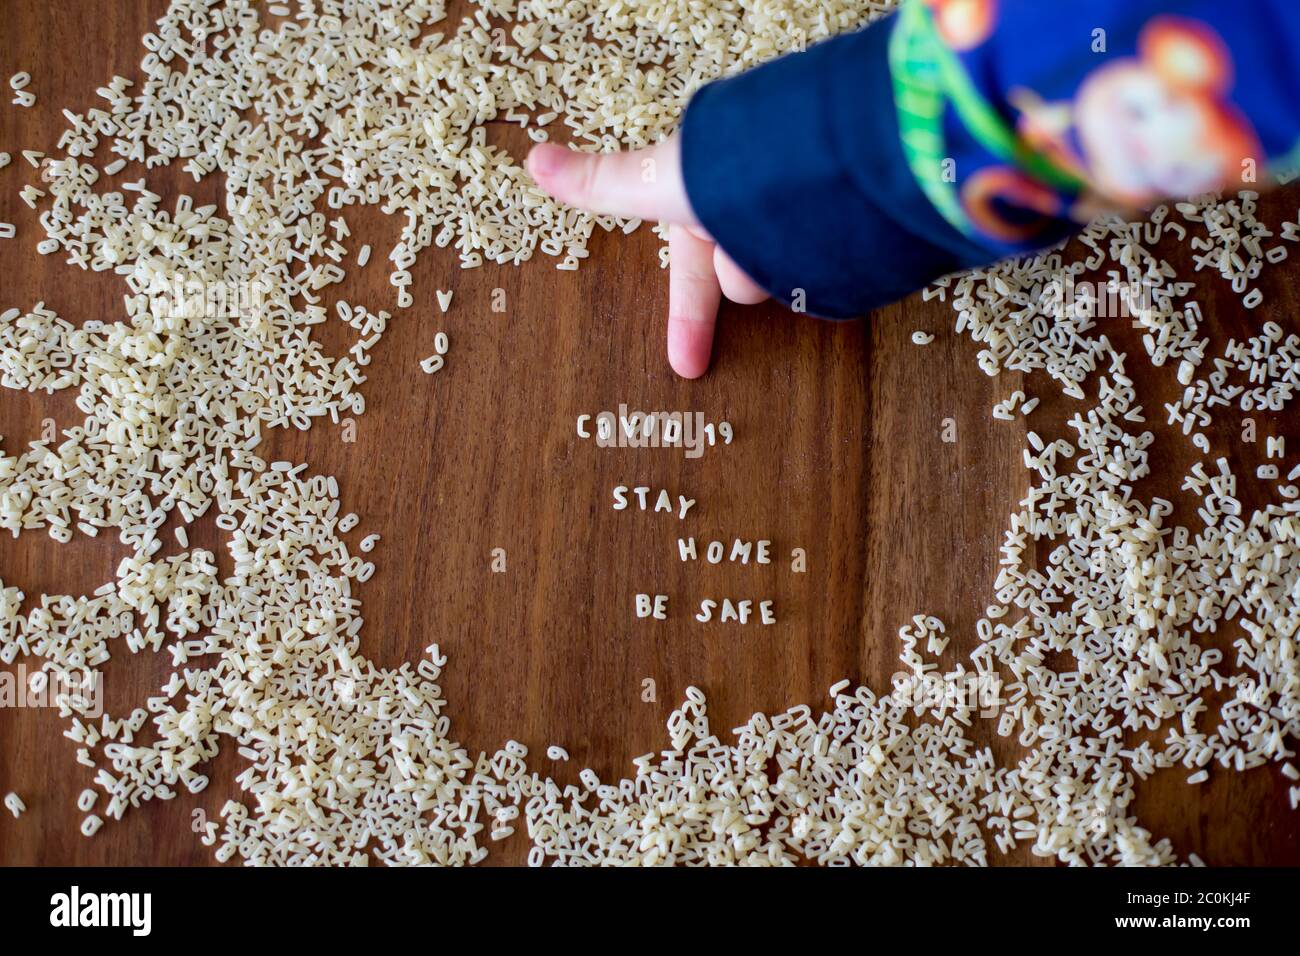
x=838, y=452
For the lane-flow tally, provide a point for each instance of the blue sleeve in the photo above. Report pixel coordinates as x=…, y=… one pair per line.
x=957, y=132
x=795, y=169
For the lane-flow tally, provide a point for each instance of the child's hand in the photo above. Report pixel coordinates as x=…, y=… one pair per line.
x=647, y=184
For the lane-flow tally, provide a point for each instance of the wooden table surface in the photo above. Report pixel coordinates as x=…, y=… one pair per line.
x=838, y=451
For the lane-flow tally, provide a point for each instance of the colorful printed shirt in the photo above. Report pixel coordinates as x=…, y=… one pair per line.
x=957, y=132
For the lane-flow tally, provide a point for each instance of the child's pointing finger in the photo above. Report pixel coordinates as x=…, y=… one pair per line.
x=693, y=298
